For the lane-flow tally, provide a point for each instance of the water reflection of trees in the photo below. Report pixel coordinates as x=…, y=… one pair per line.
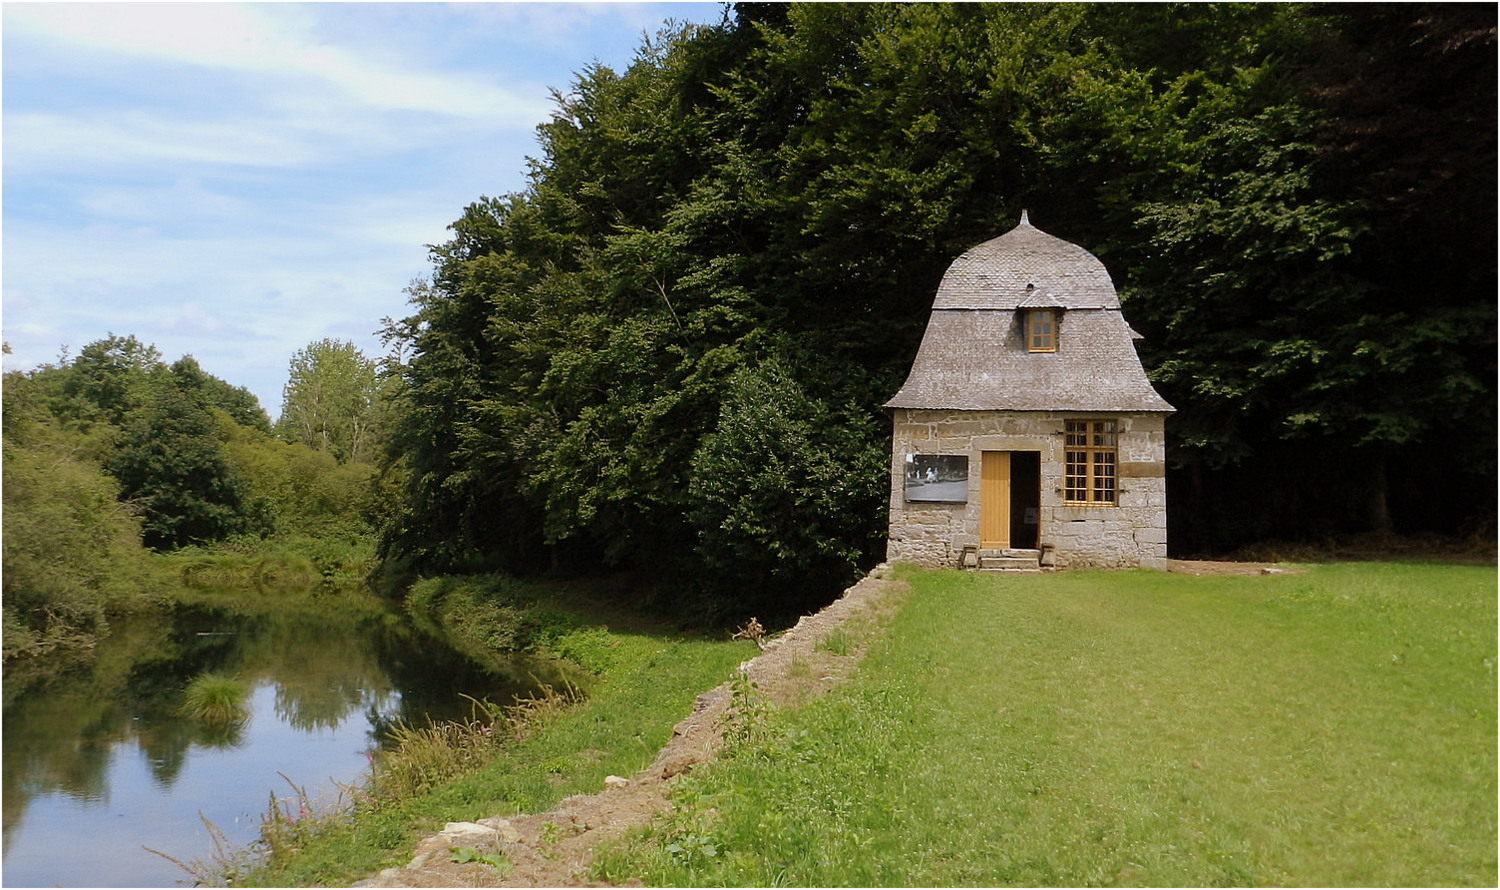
x=62, y=735
x=324, y=671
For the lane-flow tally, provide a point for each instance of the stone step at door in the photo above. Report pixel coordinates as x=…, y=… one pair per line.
x=1014, y=560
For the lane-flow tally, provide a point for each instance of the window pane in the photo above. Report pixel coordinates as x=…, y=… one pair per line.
x=1090, y=458
x=1041, y=335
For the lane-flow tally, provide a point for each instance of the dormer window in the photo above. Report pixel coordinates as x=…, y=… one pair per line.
x=1041, y=330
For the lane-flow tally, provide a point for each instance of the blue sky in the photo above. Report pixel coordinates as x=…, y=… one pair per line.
x=236, y=181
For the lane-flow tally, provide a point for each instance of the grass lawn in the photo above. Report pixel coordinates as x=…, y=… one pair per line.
x=1332, y=728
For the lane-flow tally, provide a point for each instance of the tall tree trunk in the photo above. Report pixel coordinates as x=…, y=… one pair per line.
x=1377, y=505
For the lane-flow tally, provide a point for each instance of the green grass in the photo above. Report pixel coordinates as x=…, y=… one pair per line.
x=648, y=685
x=1332, y=728
x=215, y=699
x=277, y=565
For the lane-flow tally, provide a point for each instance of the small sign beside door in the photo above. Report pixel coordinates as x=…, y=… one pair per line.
x=937, y=478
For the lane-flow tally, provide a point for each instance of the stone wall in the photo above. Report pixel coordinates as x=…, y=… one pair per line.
x=1131, y=533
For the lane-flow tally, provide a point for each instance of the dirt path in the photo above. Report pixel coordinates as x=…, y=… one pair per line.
x=556, y=848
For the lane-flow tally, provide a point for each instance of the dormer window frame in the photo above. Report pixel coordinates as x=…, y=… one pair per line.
x=1039, y=326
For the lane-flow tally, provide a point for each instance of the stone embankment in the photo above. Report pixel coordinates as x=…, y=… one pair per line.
x=556, y=848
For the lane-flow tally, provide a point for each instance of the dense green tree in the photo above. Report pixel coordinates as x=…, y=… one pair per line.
x=237, y=401
x=332, y=401
x=1316, y=288
x=71, y=549
x=782, y=489
x=297, y=490
x=171, y=466
x=110, y=378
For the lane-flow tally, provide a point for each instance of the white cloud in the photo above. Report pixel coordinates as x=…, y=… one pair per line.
x=43, y=141
x=184, y=199
x=203, y=33
x=270, y=41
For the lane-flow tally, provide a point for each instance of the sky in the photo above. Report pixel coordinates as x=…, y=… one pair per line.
x=237, y=181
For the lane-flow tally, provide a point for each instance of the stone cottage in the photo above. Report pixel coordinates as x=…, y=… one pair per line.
x=1027, y=433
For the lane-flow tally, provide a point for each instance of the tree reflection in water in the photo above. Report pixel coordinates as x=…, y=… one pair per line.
x=65, y=733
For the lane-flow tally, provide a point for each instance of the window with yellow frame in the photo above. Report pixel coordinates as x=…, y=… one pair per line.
x=1090, y=460
x=1041, y=330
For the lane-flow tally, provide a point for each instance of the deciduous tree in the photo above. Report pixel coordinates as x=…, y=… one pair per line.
x=331, y=401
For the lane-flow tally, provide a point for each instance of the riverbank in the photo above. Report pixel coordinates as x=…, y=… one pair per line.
x=112, y=748
x=643, y=677
x=556, y=848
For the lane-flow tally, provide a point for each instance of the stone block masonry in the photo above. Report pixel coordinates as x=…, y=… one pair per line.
x=1130, y=533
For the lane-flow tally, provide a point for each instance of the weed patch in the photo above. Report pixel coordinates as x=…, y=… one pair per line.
x=469, y=854
x=837, y=642
x=424, y=757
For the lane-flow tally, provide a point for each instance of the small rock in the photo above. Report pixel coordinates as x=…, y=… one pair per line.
x=469, y=832
x=507, y=831
x=463, y=827
x=616, y=782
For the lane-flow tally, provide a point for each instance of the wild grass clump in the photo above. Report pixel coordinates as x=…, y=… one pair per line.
x=291, y=819
x=286, y=823
x=216, y=700
x=221, y=866
x=291, y=563
x=424, y=757
x=837, y=642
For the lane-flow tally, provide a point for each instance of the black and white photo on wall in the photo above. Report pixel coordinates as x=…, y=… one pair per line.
x=937, y=478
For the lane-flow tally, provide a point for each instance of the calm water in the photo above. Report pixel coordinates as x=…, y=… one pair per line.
x=98, y=765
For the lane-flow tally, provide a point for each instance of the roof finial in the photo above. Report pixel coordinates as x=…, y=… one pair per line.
x=1024, y=220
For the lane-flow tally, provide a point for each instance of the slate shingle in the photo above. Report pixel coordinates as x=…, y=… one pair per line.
x=973, y=355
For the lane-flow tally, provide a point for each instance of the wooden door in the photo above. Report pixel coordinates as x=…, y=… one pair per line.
x=994, y=500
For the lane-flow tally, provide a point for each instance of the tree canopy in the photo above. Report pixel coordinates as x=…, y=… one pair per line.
x=669, y=351
x=331, y=401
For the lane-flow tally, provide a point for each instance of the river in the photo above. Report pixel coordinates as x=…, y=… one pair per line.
x=98, y=764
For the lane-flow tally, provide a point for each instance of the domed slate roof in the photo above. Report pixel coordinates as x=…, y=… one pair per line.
x=1003, y=272
x=973, y=355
